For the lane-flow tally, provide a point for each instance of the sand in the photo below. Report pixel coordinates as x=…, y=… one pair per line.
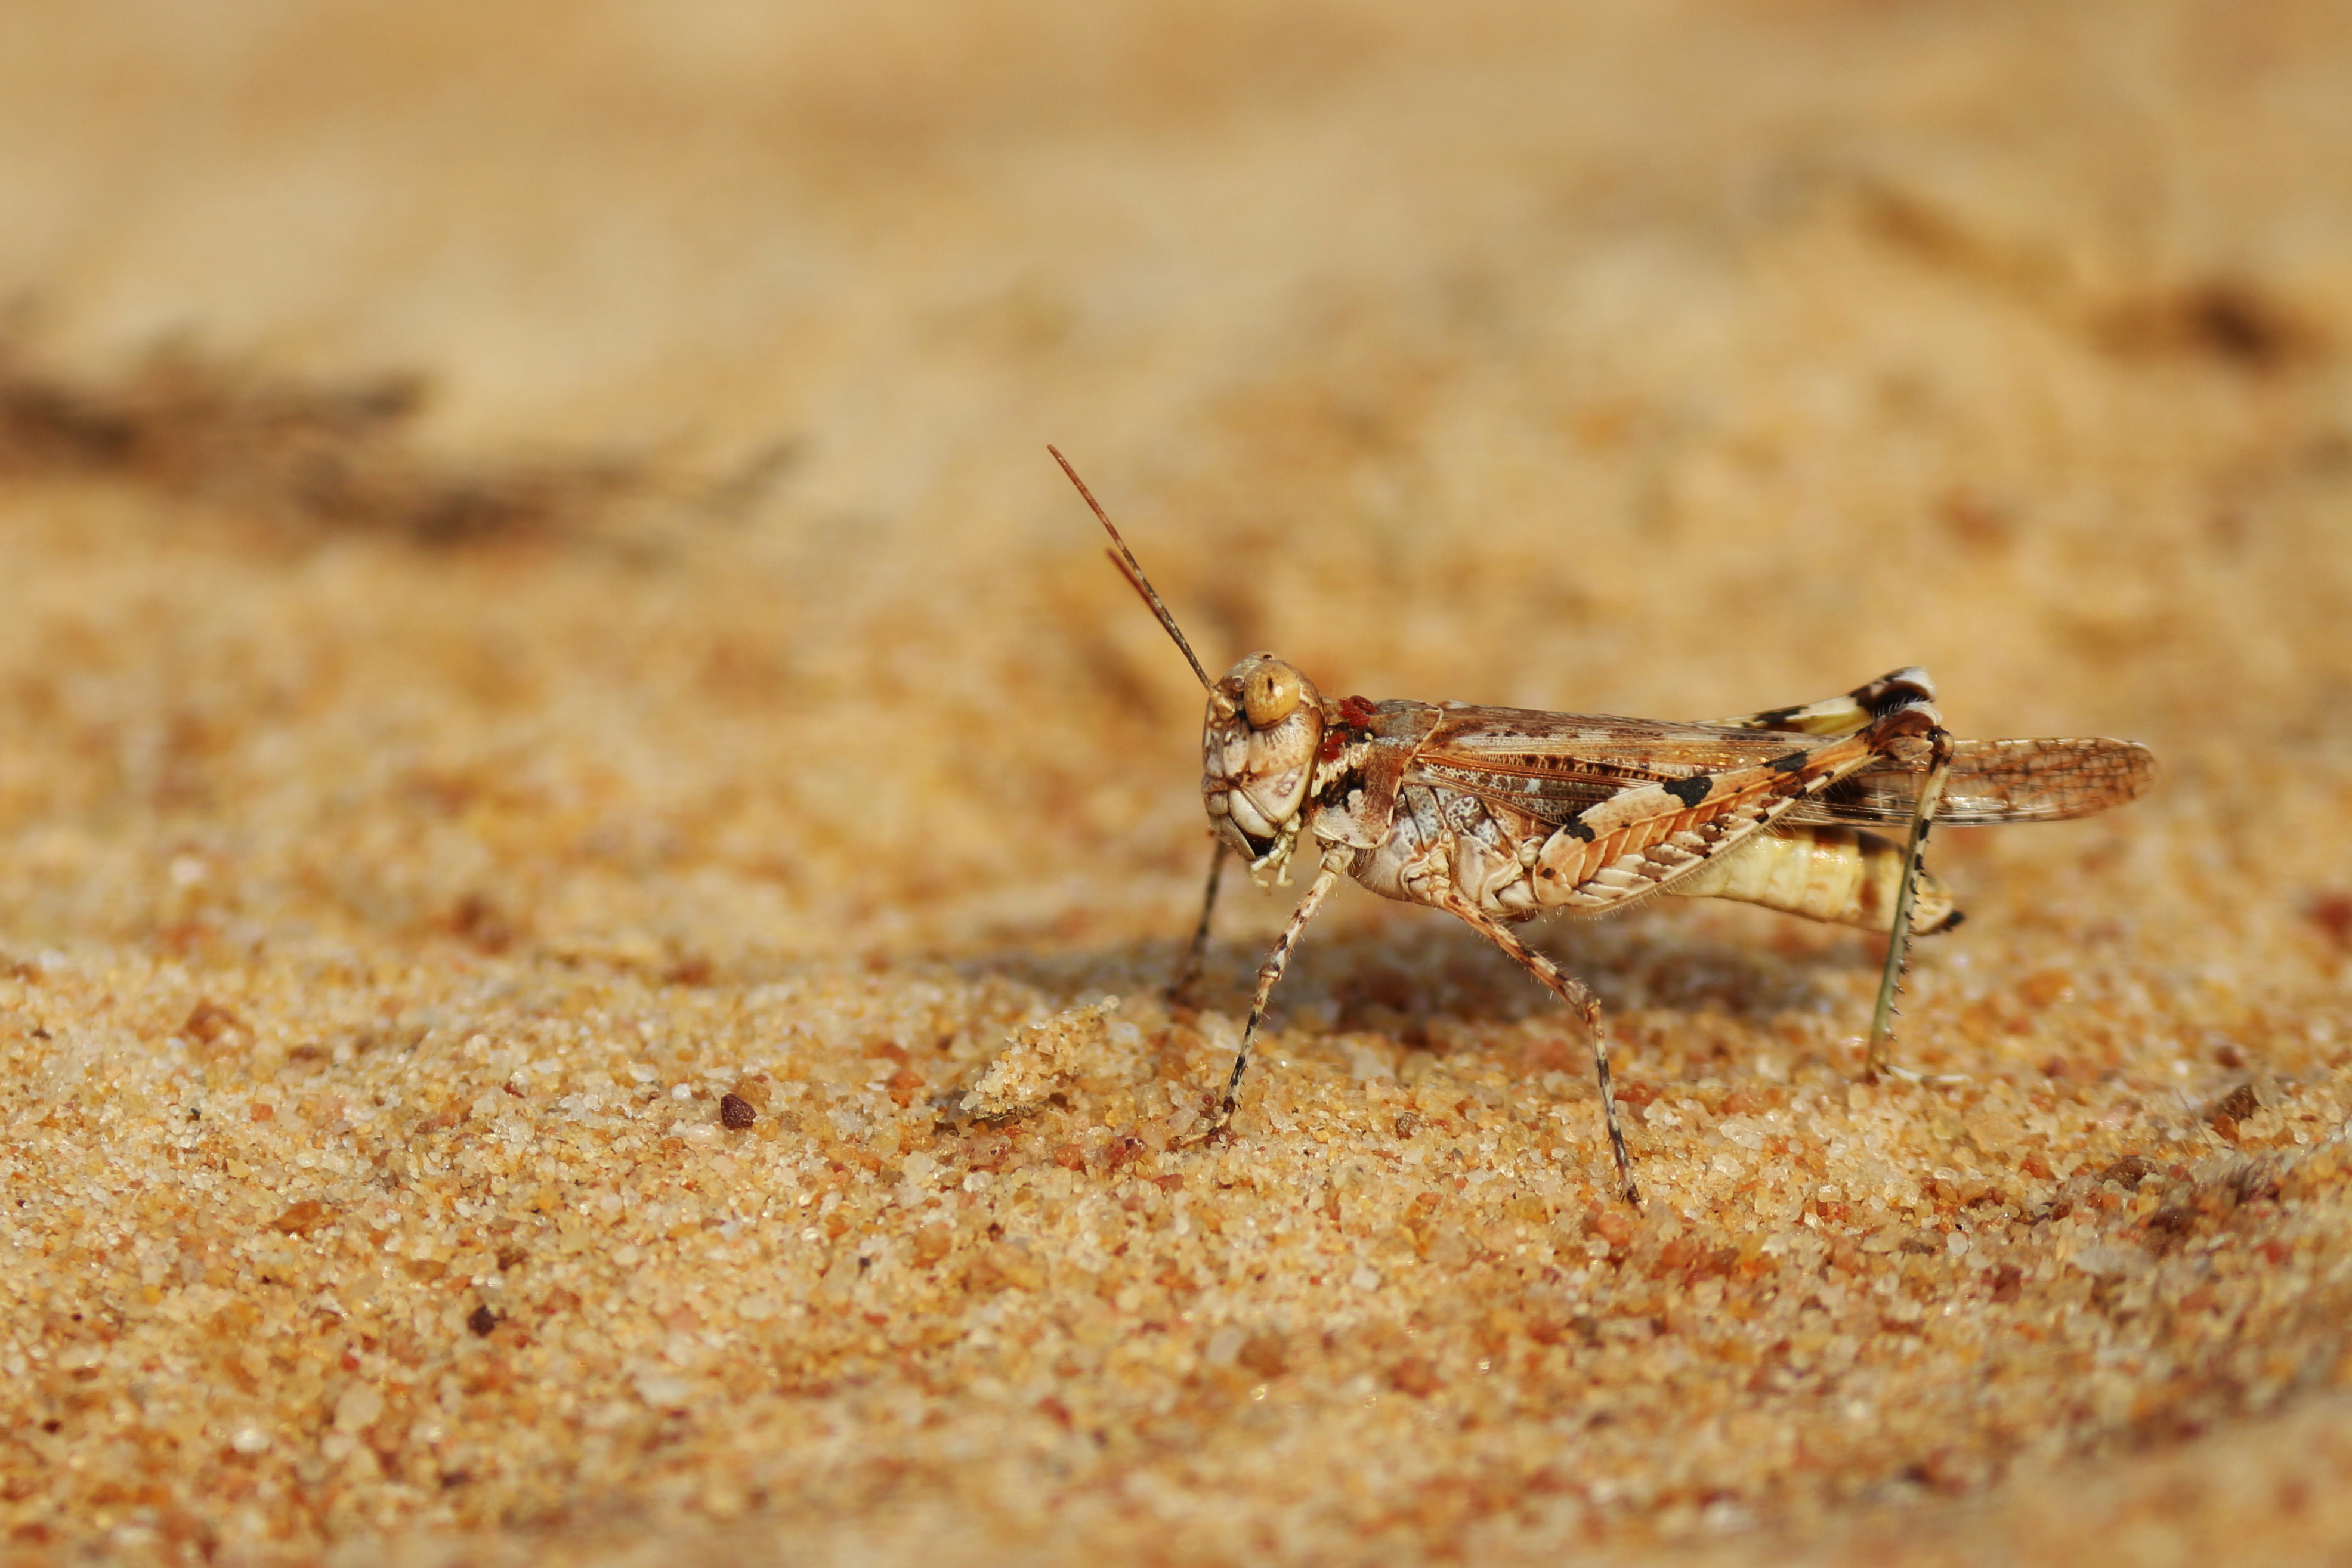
x=592, y=847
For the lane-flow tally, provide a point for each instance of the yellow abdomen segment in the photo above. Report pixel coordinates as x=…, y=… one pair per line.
x=1843, y=875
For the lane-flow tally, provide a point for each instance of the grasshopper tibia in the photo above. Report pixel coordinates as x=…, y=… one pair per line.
x=1579, y=997
x=1188, y=970
x=1915, y=858
x=1268, y=973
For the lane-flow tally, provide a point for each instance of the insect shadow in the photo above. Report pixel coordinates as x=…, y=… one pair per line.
x=1427, y=985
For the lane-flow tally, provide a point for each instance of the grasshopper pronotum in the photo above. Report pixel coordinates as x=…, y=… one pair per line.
x=1497, y=815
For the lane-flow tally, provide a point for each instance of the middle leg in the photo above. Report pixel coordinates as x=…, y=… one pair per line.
x=1586, y=1006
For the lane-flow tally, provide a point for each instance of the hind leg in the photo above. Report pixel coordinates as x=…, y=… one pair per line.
x=1898, y=940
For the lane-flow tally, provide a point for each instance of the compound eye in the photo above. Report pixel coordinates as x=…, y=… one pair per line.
x=1270, y=694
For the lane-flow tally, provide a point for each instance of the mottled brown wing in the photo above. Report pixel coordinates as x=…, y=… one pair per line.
x=1552, y=766
x=1994, y=782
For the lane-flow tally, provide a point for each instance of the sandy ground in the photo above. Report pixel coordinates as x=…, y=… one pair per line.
x=537, y=602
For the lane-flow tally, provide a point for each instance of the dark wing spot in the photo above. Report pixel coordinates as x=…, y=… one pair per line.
x=1889, y=695
x=1789, y=763
x=1774, y=716
x=1692, y=790
x=1574, y=827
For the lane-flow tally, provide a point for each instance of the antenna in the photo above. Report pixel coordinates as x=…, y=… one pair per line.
x=1132, y=569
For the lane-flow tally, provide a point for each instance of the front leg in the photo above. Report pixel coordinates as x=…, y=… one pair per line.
x=1271, y=971
x=1180, y=989
x=1580, y=997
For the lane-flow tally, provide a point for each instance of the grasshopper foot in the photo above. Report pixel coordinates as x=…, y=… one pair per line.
x=1890, y=1072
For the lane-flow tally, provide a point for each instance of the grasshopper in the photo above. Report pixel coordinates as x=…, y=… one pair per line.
x=1496, y=815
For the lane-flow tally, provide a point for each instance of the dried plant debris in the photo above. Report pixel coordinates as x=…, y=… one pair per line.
x=298, y=456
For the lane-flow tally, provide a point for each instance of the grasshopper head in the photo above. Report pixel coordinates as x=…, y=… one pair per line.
x=1257, y=753
x=1265, y=726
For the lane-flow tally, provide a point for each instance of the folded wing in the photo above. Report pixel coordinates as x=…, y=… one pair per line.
x=1553, y=766
x=1994, y=782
